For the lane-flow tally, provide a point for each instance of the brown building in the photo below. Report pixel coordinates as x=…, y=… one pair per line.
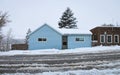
x=106, y=35
x=19, y=46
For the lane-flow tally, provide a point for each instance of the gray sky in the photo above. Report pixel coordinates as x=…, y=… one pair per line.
x=26, y=14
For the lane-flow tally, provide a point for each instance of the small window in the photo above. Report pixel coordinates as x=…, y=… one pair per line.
x=116, y=38
x=39, y=39
x=79, y=39
x=102, y=38
x=109, y=38
x=94, y=37
x=42, y=39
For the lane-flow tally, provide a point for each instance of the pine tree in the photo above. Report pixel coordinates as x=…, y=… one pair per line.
x=67, y=20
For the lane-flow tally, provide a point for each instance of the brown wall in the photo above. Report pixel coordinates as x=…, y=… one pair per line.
x=19, y=47
x=96, y=32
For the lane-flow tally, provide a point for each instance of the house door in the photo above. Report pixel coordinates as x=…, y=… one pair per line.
x=64, y=42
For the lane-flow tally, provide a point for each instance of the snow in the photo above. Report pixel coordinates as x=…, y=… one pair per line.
x=110, y=71
x=65, y=31
x=76, y=72
x=114, y=68
x=110, y=26
x=96, y=49
x=73, y=31
x=114, y=63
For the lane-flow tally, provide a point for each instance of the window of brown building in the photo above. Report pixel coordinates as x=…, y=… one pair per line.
x=109, y=38
x=94, y=37
x=102, y=38
x=116, y=38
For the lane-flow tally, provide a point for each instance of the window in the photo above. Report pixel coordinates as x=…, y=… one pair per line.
x=64, y=43
x=109, y=38
x=39, y=39
x=102, y=38
x=42, y=39
x=94, y=37
x=79, y=39
x=116, y=38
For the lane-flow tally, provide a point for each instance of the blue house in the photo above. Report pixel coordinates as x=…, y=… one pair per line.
x=47, y=37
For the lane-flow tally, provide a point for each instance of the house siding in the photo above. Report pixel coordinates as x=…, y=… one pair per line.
x=54, y=39
x=72, y=43
x=98, y=31
x=47, y=37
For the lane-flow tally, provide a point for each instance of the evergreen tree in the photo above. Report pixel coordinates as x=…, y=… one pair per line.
x=67, y=20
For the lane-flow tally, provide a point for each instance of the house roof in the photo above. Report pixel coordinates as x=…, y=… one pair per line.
x=110, y=26
x=105, y=26
x=64, y=31
x=73, y=31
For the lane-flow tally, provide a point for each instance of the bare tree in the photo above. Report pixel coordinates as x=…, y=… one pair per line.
x=1, y=37
x=27, y=35
x=9, y=40
x=3, y=21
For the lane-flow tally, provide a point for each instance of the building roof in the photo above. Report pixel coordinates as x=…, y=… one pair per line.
x=106, y=26
x=110, y=26
x=64, y=31
x=72, y=31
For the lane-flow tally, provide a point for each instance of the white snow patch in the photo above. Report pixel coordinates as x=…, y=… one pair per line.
x=96, y=49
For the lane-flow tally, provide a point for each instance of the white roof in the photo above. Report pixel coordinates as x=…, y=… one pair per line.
x=73, y=31
x=109, y=26
x=65, y=31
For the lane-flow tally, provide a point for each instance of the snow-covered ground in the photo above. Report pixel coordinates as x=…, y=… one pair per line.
x=94, y=71
x=76, y=72
x=100, y=67
x=96, y=49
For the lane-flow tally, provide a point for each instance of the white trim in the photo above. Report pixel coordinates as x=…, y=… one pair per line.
x=107, y=38
x=103, y=39
x=117, y=38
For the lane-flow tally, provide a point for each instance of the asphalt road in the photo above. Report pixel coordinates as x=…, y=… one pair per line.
x=57, y=62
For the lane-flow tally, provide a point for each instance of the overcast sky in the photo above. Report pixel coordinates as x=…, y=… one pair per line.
x=25, y=14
